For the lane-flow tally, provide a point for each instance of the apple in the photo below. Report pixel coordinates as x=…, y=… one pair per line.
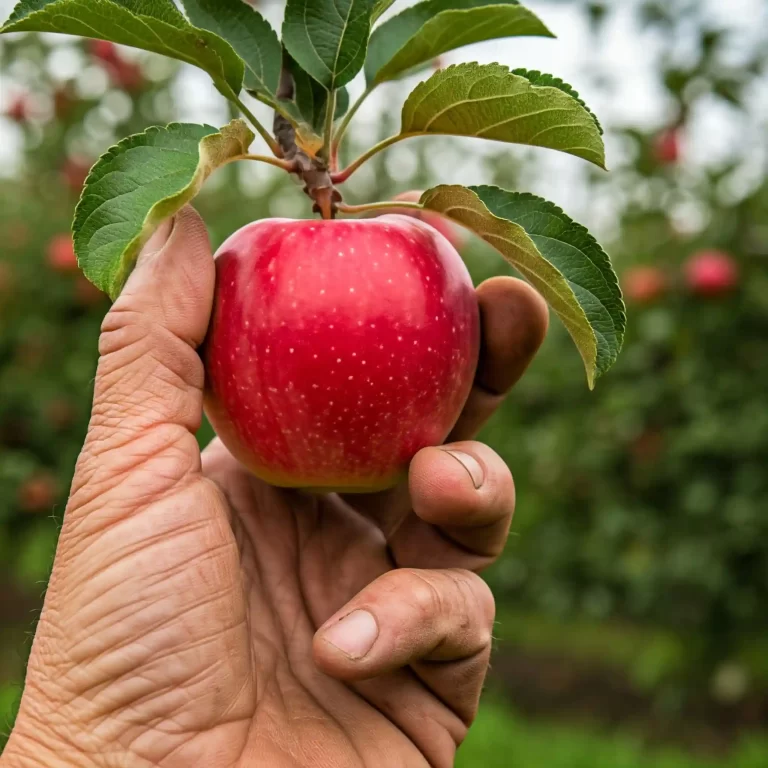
x=38, y=493
x=711, y=273
x=455, y=235
x=666, y=147
x=127, y=75
x=644, y=285
x=74, y=172
x=61, y=253
x=19, y=110
x=338, y=349
x=104, y=51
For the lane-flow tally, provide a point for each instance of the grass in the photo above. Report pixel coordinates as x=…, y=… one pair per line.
x=501, y=739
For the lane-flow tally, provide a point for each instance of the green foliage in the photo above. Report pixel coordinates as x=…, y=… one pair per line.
x=577, y=255
x=487, y=101
x=426, y=30
x=150, y=26
x=557, y=256
x=139, y=183
x=328, y=38
x=500, y=739
x=248, y=33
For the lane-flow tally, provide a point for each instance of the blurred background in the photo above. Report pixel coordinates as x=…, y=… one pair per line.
x=633, y=595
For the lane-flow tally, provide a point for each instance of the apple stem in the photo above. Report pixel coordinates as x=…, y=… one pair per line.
x=330, y=111
x=262, y=131
x=342, y=176
x=342, y=129
x=287, y=165
x=386, y=206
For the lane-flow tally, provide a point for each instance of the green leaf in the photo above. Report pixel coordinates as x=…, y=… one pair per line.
x=488, y=101
x=248, y=33
x=424, y=31
x=140, y=182
x=542, y=79
x=152, y=26
x=559, y=257
x=378, y=7
x=308, y=107
x=328, y=38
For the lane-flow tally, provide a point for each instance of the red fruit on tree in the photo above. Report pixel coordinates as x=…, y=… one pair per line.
x=61, y=253
x=128, y=75
x=38, y=493
x=711, y=273
x=667, y=147
x=20, y=109
x=644, y=285
x=75, y=172
x=104, y=51
x=338, y=349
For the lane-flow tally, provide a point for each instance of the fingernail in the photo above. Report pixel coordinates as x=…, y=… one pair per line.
x=471, y=464
x=354, y=635
x=156, y=243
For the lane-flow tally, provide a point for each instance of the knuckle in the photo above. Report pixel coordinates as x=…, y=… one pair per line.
x=420, y=591
x=476, y=605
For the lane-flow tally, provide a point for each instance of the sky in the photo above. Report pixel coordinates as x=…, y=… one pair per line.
x=628, y=55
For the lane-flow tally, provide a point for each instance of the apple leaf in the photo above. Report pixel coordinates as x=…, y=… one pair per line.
x=140, y=182
x=559, y=257
x=426, y=30
x=328, y=38
x=488, y=101
x=248, y=32
x=378, y=7
x=152, y=25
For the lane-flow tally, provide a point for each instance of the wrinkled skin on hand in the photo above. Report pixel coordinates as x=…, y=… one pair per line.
x=195, y=616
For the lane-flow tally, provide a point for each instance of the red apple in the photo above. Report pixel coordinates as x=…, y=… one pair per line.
x=38, y=494
x=104, y=51
x=127, y=75
x=711, y=273
x=61, y=253
x=75, y=171
x=20, y=109
x=338, y=349
x=666, y=147
x=644, y=285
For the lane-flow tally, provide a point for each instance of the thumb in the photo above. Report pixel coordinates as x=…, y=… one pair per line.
x=148, y=390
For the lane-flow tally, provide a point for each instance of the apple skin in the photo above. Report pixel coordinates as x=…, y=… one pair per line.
x=338, y=349
x=61, y=253
x=644, y=285
x=666, y=147
x=711, y=273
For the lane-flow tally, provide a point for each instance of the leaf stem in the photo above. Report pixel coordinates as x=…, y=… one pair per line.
x=342, y=129
x=330, y=111
x=262, y=131
x=385, y=206
x=342, y=176
x=286, y=165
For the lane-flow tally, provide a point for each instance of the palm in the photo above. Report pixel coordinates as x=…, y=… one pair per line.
x=298, y=560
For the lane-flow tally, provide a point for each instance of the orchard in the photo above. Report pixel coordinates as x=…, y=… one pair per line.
x=638, y=547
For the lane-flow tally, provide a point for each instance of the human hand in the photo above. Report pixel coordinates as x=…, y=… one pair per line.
x=196, y=616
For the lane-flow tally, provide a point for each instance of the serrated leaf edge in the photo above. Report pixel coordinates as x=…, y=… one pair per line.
x=236, y=131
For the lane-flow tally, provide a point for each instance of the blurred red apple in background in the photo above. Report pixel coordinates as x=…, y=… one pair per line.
x=711, y=273
x=338, y=349
x=104, y=51
x=667, y=147
x=20, y=109
x=38, y=493
x=644, y=285
x=75, y=172
x=61, y=253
